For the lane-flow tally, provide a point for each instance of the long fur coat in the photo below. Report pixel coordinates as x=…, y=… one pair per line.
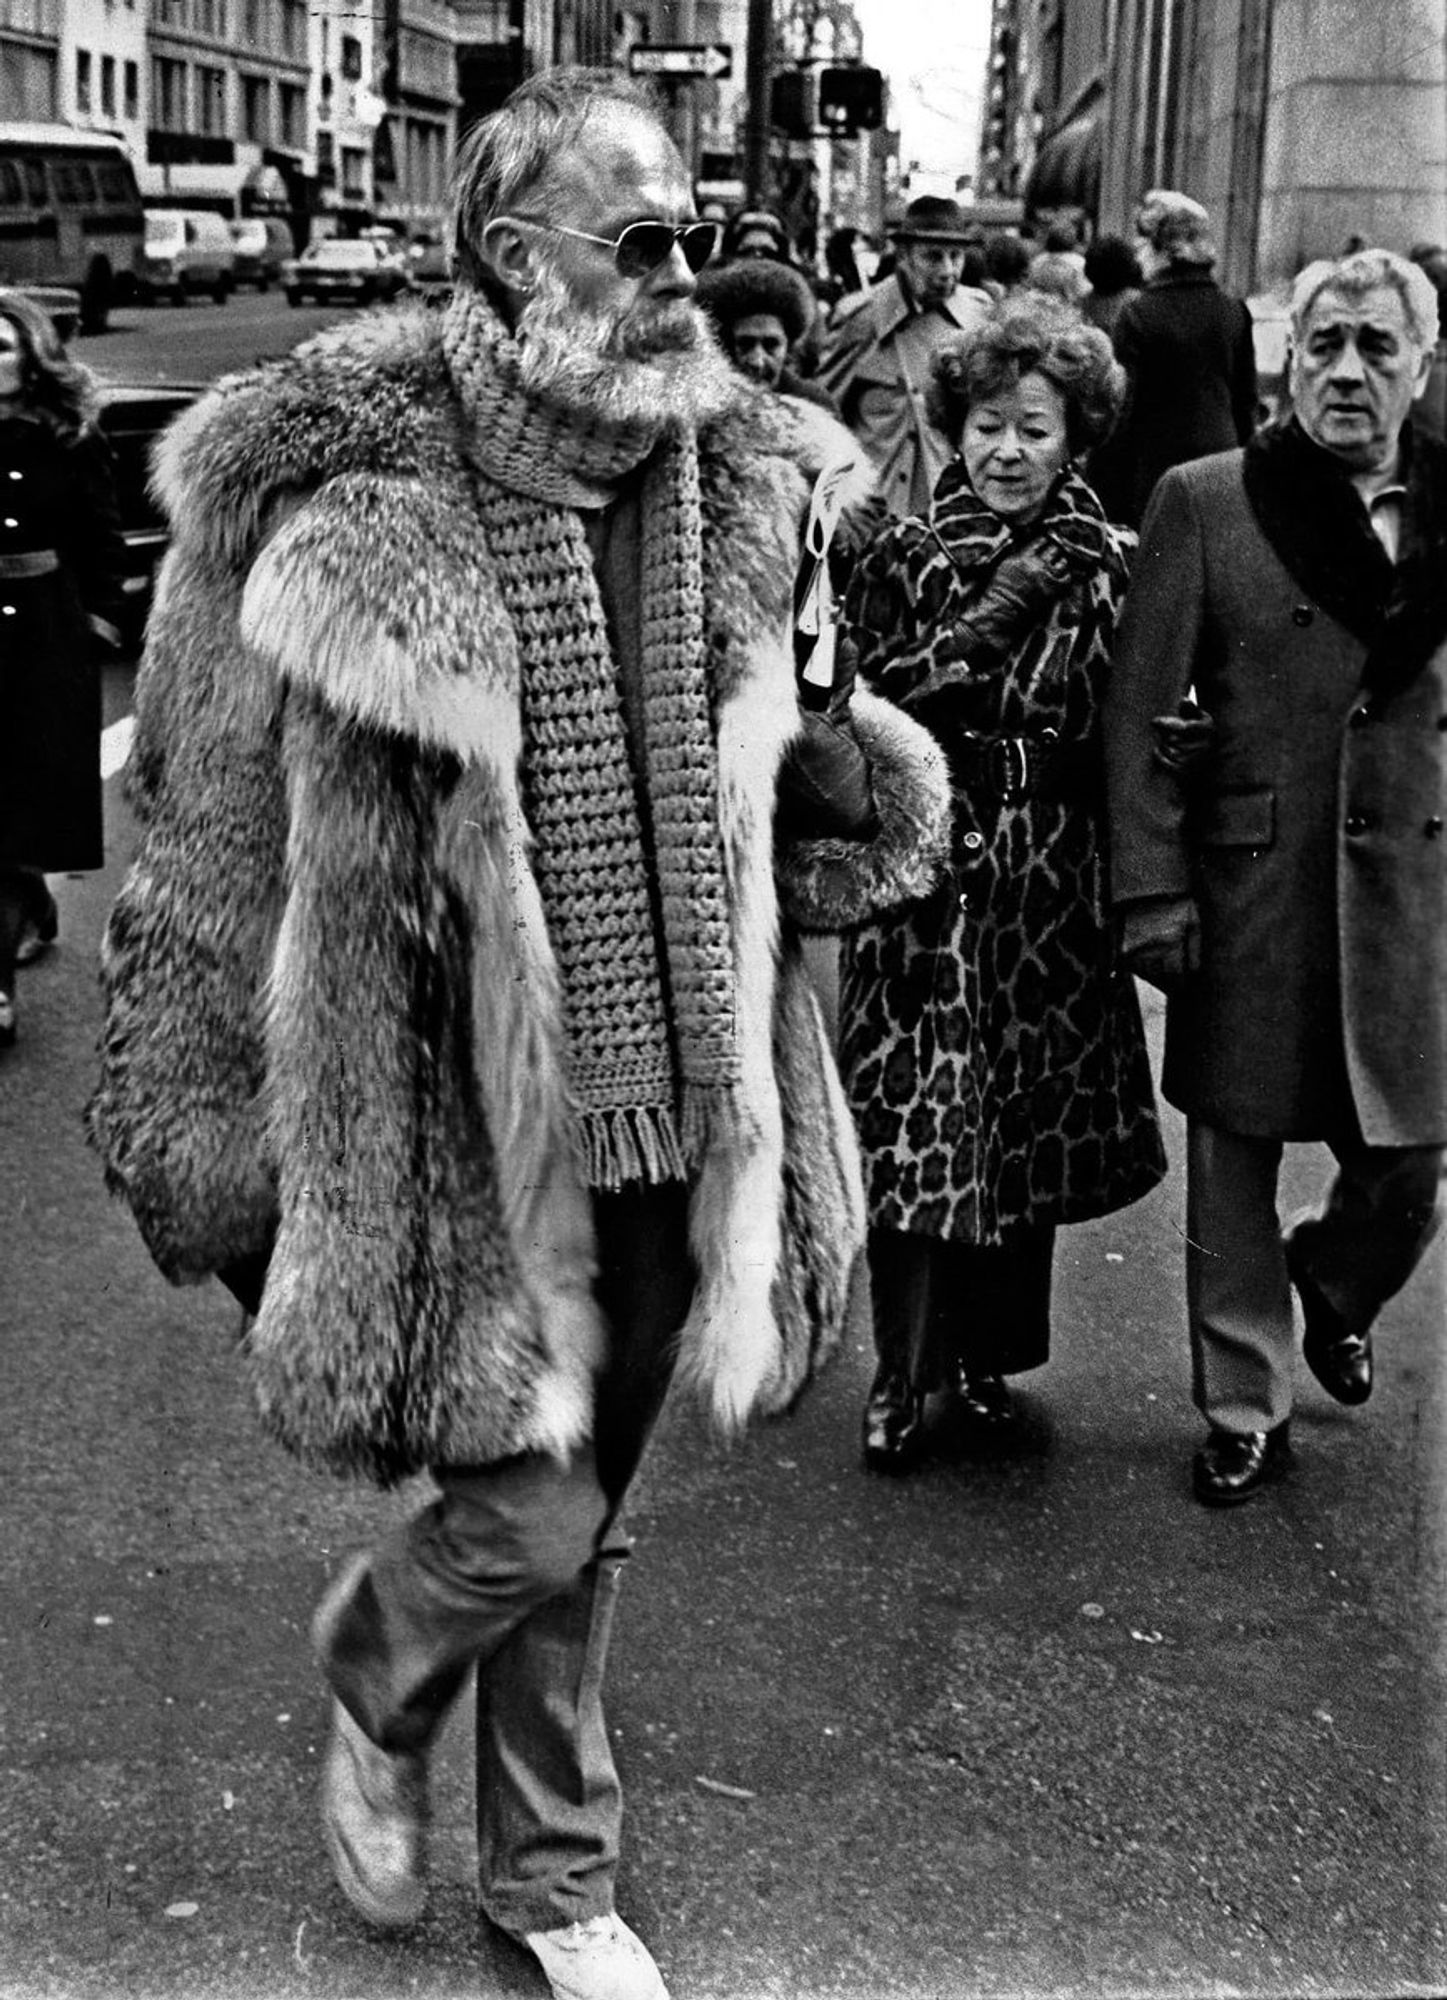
x=333, y=1027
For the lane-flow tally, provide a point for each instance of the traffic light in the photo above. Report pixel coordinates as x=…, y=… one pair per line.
x=792, y=103
x=851, y=100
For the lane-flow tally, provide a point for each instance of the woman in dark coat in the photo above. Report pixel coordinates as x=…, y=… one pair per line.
x=60, y=566
x=1186, y=347
x=991, y=1039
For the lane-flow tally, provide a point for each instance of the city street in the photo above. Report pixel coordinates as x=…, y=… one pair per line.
x=1031, y=1724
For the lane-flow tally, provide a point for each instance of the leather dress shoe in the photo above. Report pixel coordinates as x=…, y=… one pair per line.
x=893, y=1423
x=1339, y=1359
x=1232, y=1465
x=985, y=1400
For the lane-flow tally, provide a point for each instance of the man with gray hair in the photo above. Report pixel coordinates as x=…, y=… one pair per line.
x=1287, y=886
x=457, y=1018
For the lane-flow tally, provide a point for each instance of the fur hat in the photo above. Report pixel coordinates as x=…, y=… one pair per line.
x=932, y=218
x=732, y=292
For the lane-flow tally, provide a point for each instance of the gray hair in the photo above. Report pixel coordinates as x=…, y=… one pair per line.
x=510, y=150
x=1369, y=271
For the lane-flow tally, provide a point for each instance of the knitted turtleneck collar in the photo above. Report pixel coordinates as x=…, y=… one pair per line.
x=547, y=450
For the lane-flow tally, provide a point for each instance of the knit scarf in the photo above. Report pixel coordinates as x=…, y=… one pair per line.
x=652, y=1060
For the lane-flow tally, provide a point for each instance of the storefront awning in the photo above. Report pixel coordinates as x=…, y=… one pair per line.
x=1066, y=170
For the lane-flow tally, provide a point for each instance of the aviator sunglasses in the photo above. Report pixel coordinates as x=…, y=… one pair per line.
x=643, y=246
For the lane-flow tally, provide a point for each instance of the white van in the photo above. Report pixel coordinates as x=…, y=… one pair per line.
x=186, y=250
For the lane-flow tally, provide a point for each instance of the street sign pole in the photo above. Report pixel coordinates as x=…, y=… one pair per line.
x=756, y=127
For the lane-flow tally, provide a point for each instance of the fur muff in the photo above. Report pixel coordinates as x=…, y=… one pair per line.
x=334, y=1026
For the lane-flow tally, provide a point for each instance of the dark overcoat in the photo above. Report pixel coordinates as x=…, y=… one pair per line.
x=60, y=564
x=1187, y=351
x=1311, y=838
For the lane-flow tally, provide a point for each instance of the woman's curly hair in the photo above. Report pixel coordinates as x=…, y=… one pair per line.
x=1031, y=333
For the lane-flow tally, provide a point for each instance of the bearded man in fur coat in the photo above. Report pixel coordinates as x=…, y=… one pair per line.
x=456, y=1016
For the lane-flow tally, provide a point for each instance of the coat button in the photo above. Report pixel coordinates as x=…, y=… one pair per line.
x=15, y=475
x=11, y=522
x=7, y=610
x=973, y=841
x=1302, y=614
x=1433, y=827
x=1355, y=823
x=1360, y=717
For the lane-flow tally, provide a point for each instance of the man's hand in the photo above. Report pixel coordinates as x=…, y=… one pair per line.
x=1161, y=941
x=1184, y=738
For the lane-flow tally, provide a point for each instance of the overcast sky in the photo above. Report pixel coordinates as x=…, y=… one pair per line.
x=933, y=52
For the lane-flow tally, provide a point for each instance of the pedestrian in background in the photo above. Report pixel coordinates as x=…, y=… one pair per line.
x=1186, y=347
x=1114, y=278
x=990, y=1036
x=1007, y=262
x=61, y=562
x=878, y=357
x=453, y=1017
x=762, y=310
x=1288, y=889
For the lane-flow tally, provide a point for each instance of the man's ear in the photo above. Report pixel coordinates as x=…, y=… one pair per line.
x=509, y=254
x=1424, y=373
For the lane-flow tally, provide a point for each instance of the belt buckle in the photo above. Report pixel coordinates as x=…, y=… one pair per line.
x=1014, y=767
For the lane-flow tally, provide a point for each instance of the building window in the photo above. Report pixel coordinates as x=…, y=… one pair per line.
x=291, y=110
x=108, y=86
x=293, y=28
x=168, y=94
x=253, y=24
x=131, y=90
x=351, y=59
x=255, y=109
x=82, y=82
x=171, y=13
x=211, y=100
x=354, y=174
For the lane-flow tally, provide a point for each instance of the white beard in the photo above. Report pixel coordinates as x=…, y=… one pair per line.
x=647, y=366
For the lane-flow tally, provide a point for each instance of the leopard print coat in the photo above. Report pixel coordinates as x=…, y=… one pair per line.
x=991, y=1038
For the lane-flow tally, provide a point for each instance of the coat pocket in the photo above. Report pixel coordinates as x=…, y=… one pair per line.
x=1238, y=819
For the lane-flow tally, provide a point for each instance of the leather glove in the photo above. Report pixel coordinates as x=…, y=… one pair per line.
x=1161, y=941
x=824, y=789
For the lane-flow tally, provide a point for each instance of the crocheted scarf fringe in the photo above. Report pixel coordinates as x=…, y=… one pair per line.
x=653, y=1063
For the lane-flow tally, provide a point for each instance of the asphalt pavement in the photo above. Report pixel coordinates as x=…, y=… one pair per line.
x=1026, y=1724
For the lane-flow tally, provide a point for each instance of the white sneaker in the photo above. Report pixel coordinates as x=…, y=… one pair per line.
x=374, y=1802
x=600, y=1959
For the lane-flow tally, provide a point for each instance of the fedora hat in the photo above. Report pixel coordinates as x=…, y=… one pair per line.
x=932, y=218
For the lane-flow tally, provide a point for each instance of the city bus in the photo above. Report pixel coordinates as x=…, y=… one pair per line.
x=70, y=214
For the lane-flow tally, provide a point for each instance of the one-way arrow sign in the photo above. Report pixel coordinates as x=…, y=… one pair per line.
x=713, y=60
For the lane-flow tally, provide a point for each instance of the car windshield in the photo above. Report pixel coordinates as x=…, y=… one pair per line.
x=341, y=255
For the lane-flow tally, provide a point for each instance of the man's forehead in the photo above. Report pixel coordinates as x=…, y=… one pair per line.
x=620, y=162
x=1381, y=307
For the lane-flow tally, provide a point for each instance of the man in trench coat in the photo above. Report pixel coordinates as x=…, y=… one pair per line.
x=1287, y=886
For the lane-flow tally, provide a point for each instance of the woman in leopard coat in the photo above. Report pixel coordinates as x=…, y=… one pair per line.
x=992, y=1042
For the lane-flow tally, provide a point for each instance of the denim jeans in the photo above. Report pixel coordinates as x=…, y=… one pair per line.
x=514, y=1569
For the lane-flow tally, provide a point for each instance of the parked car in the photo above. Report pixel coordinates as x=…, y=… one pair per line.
x=343, y=268
x=263, y=246
x=132, y=416
x=429, y=271
x=186, y=250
